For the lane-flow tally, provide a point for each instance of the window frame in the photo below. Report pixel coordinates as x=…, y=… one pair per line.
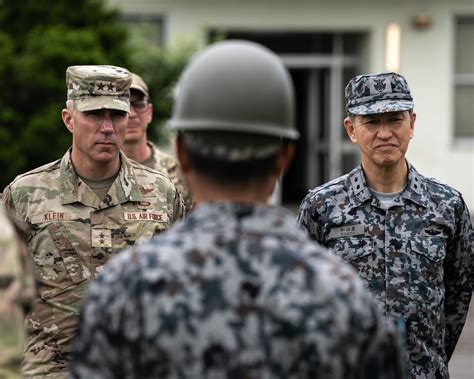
x=460, y=80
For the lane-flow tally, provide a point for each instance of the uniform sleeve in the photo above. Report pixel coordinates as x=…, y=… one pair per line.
x=308, y=219
x=7, y=200
x=179, y=209
x=385, y=357
x=383, y=339
x=176, y=176
x=458, y=278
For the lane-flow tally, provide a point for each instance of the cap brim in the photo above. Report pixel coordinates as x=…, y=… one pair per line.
x=140, y=89
x=102, y=102
x=382, y=106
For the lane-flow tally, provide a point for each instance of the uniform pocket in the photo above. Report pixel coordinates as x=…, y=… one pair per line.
x=148, y=230
x=359, y=252
x=59, y=267
x=141, y=226
x=426, y=260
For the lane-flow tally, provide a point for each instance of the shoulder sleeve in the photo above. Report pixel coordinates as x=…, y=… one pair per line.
x=308, y=217
x=458, y=278
x=385, y=357
x=179, y=210
x=382, y=339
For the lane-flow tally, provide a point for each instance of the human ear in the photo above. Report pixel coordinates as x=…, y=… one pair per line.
x=349, y=126
x=66, y=115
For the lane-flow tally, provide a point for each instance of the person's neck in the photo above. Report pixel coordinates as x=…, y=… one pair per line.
x=95, y=170
x=386, y=179
x=255, y=192
x=138, y=151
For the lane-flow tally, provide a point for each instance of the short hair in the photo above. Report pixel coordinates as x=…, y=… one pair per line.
x=231, y=171
x=70, y=105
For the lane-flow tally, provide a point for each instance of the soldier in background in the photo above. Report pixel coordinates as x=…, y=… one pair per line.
x=17, y=290
x=408, y=235
x=139, y=148
x=236, y=290
x=82, y=209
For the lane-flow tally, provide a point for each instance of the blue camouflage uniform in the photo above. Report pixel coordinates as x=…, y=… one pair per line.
x=233, y=291
x=415, y=256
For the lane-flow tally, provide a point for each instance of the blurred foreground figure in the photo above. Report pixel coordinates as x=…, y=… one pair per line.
x=17, y=289
x=140, y=149
x=408, y=235
x=236, y=290
x=82, y=209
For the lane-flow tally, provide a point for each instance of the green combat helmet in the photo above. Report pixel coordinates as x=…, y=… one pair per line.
x=238, y=87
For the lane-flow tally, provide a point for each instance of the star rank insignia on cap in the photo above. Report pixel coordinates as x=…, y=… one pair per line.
x=103, y=86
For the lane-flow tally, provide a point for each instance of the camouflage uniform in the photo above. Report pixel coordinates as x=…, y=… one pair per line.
x=73, y=233
x=413, y=256
x=168, y=165
x=17, y=290
x=226, y=294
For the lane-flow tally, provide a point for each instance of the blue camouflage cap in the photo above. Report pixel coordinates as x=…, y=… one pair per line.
x=378, y=93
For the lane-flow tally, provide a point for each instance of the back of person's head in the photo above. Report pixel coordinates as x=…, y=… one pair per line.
x=234, y=110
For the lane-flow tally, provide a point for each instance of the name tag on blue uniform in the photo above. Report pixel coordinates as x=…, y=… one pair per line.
x=347, y=231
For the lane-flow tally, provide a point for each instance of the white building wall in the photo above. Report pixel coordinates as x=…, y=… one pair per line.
x=426, y=57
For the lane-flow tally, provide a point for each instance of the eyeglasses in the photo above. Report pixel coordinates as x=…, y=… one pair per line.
x=139, y=105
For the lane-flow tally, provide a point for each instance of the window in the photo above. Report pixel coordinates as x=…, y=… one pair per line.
x=145, y=29
x=464, y=78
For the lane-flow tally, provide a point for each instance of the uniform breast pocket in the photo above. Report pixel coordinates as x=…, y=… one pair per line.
x=148, y=229
x=427, y=256
x=359, y=252
x=57, y=263
x=136, y=227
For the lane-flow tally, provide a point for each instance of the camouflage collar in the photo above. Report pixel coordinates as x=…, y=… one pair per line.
x=254, y=218
x=357, y=185
x=359, y=191
x=416, y=188
x=153, y=158
x=73, y=189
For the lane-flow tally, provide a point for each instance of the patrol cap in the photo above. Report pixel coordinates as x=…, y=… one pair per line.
x=99, y=87
x=139, y=84
x=378, y=93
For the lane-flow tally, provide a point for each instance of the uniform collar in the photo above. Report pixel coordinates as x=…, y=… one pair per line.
x=254, y=218
x=416, y=189
x=359, y=191
x=73, y=189
x=356, y=183
x=153, y=159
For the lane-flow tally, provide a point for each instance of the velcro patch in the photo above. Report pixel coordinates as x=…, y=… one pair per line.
x=347, y=231
x=101, y=237
x=52, y=217
x=146, y=216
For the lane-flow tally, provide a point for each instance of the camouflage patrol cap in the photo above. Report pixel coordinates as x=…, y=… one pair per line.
x=139, y=84
x=99, y=86
x=378, y=93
